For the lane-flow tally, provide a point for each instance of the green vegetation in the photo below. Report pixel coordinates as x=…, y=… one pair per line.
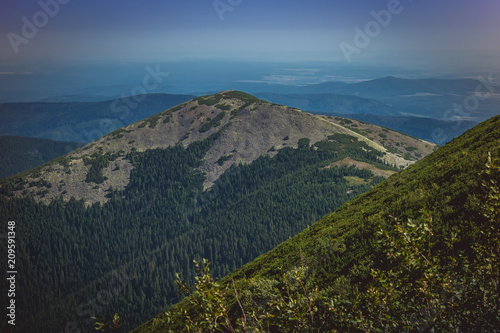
x=177, y=108
x=246, y=98
x=152, y=121
x=417, y=253
x=342, y=138
x=223, y=159
x=64, y=161
x=118, y=132
x=344, y=141
x=343, y=121
x=430, y=284
x=304, y=143
x=242, y=96
x=216, y=122
x=223, y=107
x=105, y=327
x=98, y=161
x=209, y=100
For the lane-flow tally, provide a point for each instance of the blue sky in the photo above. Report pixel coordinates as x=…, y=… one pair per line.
x=291, y=30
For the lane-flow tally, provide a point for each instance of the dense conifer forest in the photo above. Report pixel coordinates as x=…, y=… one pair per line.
x=20, y=154
x=80, y=261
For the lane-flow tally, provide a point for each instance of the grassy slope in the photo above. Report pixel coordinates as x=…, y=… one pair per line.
x=447, y=183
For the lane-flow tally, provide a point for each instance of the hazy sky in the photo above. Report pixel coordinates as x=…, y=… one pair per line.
x=288, y=30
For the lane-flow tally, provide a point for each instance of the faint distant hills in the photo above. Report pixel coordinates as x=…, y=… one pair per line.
x=435, y=110
x=332, y=103
x=392, y=86
x=81, y=122
x=451, y=99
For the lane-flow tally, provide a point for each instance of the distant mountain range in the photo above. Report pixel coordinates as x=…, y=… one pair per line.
x=452, y=99
x=332, y=103
x=80, y=122
x=450, y=106
x=433, y=98
x=393, y=86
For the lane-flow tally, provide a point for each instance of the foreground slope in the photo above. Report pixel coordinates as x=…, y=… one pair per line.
x=342, y=253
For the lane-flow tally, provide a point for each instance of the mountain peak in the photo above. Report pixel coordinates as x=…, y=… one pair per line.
x=242, y=128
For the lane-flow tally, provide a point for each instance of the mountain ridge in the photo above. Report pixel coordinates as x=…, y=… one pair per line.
x=236, y=116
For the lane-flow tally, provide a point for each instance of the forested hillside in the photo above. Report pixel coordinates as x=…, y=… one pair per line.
x=225, y=177
x=20, y=154
x=419, y=252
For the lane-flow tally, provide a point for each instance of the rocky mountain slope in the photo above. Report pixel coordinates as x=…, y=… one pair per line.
x=249, y=128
